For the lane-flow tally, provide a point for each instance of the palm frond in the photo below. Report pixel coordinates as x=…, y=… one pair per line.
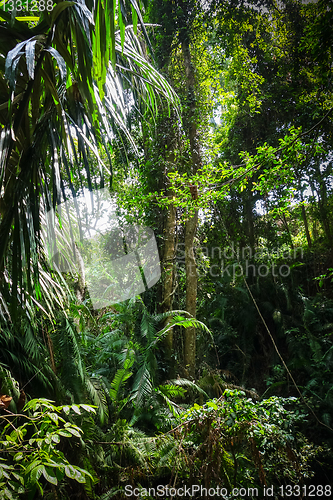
x=178, y=321
x=71, y=70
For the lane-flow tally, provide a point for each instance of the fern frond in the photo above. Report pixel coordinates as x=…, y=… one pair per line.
x=173, y=407
x=172, y=390
x=118, y=381
x=72, y=334
x=142, y=386
x=184, y=382
x=97, y=395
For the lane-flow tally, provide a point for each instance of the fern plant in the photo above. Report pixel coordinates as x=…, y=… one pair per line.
x=124, y=356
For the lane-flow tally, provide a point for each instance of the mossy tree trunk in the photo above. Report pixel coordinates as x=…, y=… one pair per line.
x=192, y=221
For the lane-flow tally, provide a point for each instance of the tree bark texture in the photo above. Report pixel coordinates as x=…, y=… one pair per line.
x=192, y=222
x=168, y=272
x=191, y=293
x=168, y=145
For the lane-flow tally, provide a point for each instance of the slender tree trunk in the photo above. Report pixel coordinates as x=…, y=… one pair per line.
x=284, y=220
x=325, y=221
x=248, y=206
x=306, y=225
x=303, y=211
x=166, y=145
x=304, y=216
x=191, y=293
x=168, y=275
x=323, y=209
x=314, y=220
x=81, y=282
x=191, y=223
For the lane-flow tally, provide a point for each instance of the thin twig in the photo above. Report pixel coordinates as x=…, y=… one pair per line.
x=170, y=295
x=283, y=362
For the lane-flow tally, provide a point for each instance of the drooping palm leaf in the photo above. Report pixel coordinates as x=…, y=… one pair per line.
x=61, y=99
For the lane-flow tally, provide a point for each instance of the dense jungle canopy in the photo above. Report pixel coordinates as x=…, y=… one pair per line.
x=166, y=249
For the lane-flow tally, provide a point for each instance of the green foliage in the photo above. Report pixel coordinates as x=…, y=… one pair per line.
x=25, y=356
x=246, y=443
x=126, y=358
x=31, y=452
x=231, y=442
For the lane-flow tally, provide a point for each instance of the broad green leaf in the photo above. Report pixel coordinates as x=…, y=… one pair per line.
x=8, y=494
x=36, y=473
x=75, y=432
x=70, y=471
x=12, y=61
x=55, y=438
x=47, y=473
x=64, y=433
x=88, y=408
x=32, y=465
x=79, y=477
x=18, y=477
x=135, y=20
x=66, y=410
x=54, y=417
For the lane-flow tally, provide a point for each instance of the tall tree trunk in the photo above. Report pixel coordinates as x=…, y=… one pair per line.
x=169, y=233
x=166, y=144
x=248, y=212
x=306, y=225
x=191, y=293
x=286, y=225
x=191, y=223
x=303, y=211
x=304, y=216
x=323, y=208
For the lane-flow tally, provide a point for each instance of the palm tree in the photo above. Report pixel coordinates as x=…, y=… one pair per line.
x=68, y=81
x=63, y=88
